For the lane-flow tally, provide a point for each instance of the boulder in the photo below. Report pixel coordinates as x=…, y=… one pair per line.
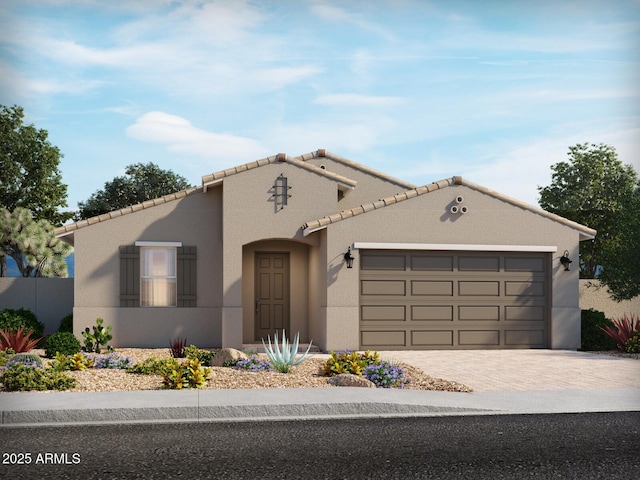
x=350, y=380
x=227, y=354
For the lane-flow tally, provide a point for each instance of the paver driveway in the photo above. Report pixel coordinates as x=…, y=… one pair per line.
x=521, y=370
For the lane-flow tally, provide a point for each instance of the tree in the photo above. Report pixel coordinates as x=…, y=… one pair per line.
x=596, y=189
x=141, y=182
x=29, y=175
x=621, y=271
x=32, y=244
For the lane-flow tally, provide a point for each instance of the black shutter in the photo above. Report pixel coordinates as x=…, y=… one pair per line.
x=187, y=286
x=129, y=276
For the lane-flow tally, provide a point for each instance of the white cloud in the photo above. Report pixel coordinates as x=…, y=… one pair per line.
x=358, y=100
x=180, y=136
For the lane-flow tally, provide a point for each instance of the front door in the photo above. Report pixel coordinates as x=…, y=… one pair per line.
x=272, y=294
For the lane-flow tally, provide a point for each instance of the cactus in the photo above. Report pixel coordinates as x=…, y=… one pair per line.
x=28, y=359
x=100, y=337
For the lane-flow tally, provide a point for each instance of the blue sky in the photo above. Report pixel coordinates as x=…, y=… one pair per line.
x=495, y=91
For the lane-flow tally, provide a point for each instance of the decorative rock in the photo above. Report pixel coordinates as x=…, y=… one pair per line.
x=350, y=380
x=227, y=354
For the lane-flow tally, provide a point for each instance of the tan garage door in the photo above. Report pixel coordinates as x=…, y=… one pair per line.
x=421, y=300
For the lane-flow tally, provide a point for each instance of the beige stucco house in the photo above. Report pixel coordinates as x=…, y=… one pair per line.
x=261, y=247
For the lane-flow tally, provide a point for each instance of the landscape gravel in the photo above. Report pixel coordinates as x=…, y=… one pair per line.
x=305, y=375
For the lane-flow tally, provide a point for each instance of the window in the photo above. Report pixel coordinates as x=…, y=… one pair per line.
x=158, y=274
x=158, y=280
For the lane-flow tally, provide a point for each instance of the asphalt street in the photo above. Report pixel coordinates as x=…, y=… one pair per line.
x=567, y=446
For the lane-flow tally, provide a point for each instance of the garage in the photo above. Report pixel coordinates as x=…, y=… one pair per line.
x=421, y=300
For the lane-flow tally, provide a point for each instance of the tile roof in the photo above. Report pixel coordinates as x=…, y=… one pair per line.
x=70, y=228
x=215, y=178
x=318, y=224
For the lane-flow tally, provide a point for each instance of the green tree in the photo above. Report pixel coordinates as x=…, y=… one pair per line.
x=29, y=175
x=32, y=244
x=621, y=262
x=141, y=182
x=596, y=189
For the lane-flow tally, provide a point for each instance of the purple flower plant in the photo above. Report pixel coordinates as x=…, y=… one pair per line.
x=386, y=375
x=253, y=364
x=112, y=360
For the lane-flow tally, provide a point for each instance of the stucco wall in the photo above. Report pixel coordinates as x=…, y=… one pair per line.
x=593, y=295
x=50, y=299
x=194, y=220
x=427, y=219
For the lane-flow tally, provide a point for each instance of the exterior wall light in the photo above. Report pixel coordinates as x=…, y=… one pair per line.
x=349, y=258
x=565, y=260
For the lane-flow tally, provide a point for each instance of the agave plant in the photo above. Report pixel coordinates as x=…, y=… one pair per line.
x=283, y=358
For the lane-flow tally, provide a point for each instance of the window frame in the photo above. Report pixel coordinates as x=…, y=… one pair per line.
x=167, y=246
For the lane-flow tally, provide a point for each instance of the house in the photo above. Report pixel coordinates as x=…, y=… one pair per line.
x=261, y=247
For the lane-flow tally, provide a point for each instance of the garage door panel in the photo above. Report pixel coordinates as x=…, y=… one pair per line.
x=383, y=287
x=432, y=263
x=479, y=264
x=528, y=313
x=431, y=287
x=525, y=289
x=395, y=338
x=431, y=338
x=524, y=264
x=432, y=313
x=451, y=300
x=479, y=288
x=479, y=337
x=533, y=338
x=475, y=312
x=383, y=262
x=383, y=313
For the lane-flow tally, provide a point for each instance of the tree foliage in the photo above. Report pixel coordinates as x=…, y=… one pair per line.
x=141, y=182
x=29, y=175
x=32, y=244
x=596, y=189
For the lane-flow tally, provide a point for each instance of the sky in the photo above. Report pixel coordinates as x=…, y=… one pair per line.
x=494, y=91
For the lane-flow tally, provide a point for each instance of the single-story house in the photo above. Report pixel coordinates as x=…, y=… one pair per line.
x=345, y=255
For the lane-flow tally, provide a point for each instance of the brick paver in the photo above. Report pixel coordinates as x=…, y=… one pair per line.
x=522, y=370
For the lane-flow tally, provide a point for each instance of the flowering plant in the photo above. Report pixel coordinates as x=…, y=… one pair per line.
x=112, y=360
x=386, y=375
x=253, y=364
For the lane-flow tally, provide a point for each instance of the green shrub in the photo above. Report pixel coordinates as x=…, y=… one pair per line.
x=633, y=344
x=66, y=324
x=624, y=331
x=78, y=361
x=98, y=337
x=12, y=320
x=154, y=366
x=189, y=374
x=350, y=362
x=62, y=342
x=5, y=356
x=29, y=359
x=22, y=378
x=593, y=338
x=203, y=356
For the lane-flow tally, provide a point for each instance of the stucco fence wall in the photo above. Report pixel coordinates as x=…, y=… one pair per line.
x=593, y=295
x=51, y=299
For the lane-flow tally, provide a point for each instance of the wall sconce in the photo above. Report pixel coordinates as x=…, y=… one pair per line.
x=565, y=261
x=349, y=258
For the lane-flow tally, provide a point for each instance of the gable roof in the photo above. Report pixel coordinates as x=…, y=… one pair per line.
x=586, y=233
x=344, y=183
x=65, y=230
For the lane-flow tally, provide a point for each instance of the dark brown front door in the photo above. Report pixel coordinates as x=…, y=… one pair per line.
x=272, y=294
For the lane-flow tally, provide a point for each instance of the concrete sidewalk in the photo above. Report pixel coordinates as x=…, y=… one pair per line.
x=505, y=382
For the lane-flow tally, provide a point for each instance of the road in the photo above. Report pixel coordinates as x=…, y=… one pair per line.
x=569, y=446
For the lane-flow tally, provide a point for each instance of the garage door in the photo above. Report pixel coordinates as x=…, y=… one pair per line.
x=453, y=300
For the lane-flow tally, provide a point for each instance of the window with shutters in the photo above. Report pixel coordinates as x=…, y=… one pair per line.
x=157, y=274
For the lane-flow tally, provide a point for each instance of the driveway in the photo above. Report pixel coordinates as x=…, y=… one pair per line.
x=523, y=370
